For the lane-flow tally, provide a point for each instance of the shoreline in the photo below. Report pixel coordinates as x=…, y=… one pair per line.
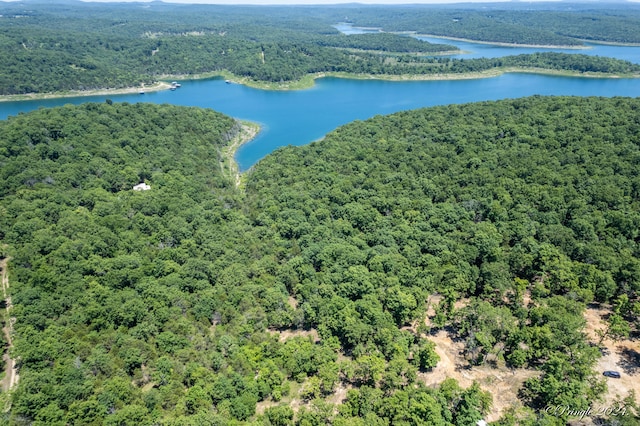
x=308, y=81
x=505, y=44
x=247, y=132
x=469, y=40
x=611, y=43
x=156, y=87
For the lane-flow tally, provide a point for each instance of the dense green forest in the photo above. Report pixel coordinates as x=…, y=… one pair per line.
x=195, y=303
x=82, y=46
x=568, y=24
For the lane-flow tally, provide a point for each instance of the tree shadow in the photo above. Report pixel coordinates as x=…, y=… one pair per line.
x=453, y=333
x=604, y=351
x=629, y=360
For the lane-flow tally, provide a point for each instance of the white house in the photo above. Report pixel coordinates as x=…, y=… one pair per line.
x=141, y=187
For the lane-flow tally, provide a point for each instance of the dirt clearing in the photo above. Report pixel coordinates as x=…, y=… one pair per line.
x=622, y=356
x=502, y=383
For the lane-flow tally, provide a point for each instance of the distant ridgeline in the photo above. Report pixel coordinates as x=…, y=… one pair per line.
x=57, y=47
x=194, y=303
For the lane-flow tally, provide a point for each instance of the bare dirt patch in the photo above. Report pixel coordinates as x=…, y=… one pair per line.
x=289, y=334
x=292, y=302
x=622, y=356
x=434, y=300
x=339, y=394
x=461, y=303
x=293, y=400
x=262, y=406
x=502, y=383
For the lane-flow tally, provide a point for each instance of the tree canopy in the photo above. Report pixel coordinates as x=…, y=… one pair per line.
x=198, y=303
x=58, y=47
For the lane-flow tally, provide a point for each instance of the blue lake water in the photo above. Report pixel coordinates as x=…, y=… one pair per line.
x=484, y=50
x=479, y=50
x=299, y=117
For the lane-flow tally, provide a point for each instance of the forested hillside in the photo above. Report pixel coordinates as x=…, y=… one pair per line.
x=558, y=24
x=528, y=208
x=84, y=46
x=303, y=299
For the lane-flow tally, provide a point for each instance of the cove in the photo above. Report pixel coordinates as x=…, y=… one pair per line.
x=300, y=117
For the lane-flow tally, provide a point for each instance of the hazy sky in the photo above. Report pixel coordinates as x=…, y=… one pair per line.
x=315, y=1
x=334, y=1
x=304, y=1
x=328, y=1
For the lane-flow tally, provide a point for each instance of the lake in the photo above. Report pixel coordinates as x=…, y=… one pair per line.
x=300, y=117
x=484, y=50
